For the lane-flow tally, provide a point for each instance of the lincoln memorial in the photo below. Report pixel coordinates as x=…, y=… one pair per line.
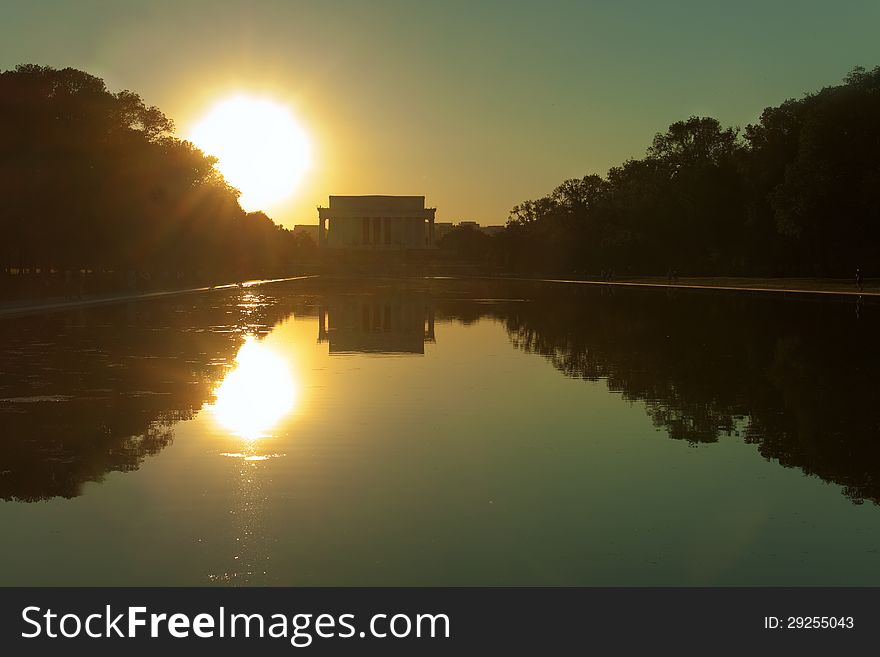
x=376, y=223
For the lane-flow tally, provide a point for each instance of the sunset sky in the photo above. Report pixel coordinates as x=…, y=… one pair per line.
x=476, y=105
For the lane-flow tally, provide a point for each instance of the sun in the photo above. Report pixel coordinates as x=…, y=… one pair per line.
x=261, y=149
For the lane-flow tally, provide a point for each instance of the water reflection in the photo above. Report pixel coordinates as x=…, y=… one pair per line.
x=89, y=392
x=381, y=322
x=86, y=393
x=250, y=538
x=502, y=455
x=257, y=394
x=796, y=378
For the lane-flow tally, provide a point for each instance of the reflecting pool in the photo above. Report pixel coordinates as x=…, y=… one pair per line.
x=442, y=432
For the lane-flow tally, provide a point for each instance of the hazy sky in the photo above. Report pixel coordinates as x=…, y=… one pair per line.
x=476, y=105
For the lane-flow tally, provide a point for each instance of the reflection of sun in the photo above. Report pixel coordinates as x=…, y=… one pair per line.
x=256, y=394
x=261, y=149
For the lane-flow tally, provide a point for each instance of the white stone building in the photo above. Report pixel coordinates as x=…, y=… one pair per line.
x=376, y=223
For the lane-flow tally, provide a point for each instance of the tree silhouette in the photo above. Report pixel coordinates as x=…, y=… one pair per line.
x=794, y=194
x=94, y=180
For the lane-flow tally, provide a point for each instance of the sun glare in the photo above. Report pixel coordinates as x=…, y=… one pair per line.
x=261, y=148
x=256, y=394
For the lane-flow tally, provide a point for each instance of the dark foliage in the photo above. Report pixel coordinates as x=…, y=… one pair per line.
x=794, y=194
x=94, y=180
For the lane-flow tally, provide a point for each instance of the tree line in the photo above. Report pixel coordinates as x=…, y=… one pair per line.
x=794, y=194
x=95, y=181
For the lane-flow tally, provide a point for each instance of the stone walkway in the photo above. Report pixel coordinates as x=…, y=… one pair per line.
x=783, y=286
x=37, y=306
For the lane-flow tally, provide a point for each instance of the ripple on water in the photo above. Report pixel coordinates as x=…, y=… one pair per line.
x=34, y=399
x=251, y=457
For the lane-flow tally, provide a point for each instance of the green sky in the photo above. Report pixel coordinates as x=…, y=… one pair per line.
x=476, y=105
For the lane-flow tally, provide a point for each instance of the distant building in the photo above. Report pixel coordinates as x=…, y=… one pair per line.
x=376, y=223
x=307, y=229
x=471, y=225
x=441, y=228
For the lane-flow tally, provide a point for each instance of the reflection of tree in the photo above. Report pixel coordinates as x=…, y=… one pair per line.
x=795, y=378
x=83, y=394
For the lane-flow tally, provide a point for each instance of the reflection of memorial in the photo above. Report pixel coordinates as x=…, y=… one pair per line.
x=394, y=323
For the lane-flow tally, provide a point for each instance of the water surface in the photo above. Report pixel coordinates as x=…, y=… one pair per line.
x=442, y=433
